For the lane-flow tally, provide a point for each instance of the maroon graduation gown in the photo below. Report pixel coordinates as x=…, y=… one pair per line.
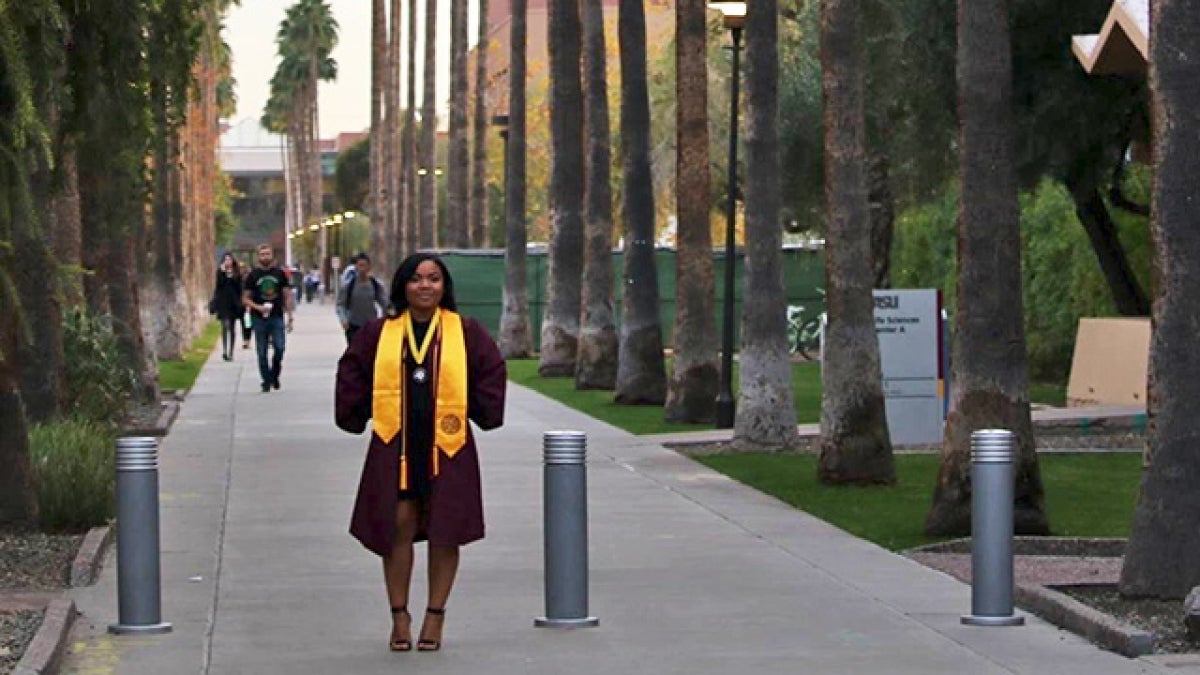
x=455, y=509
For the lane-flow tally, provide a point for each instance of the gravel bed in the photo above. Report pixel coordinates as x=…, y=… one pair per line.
x=36, y=561
x=16, y=631
x=1164, y=618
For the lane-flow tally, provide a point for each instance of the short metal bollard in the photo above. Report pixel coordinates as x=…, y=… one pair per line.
x=565, y=530
x=992, y=529
x=139, y=606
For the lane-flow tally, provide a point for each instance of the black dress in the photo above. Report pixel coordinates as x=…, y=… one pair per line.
x=418, y=427
x=227, y=296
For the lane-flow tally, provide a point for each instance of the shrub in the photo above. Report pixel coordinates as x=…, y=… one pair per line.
x=1062, y=281
x=74, y=470
x=98, y=384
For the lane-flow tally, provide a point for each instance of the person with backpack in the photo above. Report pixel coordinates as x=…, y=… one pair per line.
x=360, y=299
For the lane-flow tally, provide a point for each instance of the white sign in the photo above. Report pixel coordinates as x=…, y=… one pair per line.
x=909, y=326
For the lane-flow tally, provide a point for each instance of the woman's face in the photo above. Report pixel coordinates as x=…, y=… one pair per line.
x=227, y=261
x=425, y=288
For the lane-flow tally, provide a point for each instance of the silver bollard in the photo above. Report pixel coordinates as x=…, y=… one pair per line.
x=565, y=530
x=992, y=529
x=139, y=607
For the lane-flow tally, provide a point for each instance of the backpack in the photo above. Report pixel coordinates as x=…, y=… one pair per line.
x=350, y=289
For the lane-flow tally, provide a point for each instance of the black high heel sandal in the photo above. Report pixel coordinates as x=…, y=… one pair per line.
x=427, y=644
x=401, y=644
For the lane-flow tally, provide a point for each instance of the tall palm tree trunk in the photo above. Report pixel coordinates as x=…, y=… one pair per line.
x=765, y=415
x=479, y=196
x=855, y=446
x=316, y=186
x=641, y=374
x=1164, y=545
x=596, y=362
x=560, y=324
x=692, y=386
x=393, y=247
x=427, y=159
x=377, y=205
x=459, y=170
x=989, y=382
x=18, y=504
x=516, y=337
x=408, y=153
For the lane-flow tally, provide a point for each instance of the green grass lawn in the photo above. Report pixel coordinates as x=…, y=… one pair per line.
x=806, y=390
x=1087, y=495
x=182, y=374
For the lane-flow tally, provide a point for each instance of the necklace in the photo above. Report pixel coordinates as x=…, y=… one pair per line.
x=420, y=374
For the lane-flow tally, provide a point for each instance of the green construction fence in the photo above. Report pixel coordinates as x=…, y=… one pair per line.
x=479, y=285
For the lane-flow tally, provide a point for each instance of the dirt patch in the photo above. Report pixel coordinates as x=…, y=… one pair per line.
x=33, y=565
x=16, y=631
x=36, y=561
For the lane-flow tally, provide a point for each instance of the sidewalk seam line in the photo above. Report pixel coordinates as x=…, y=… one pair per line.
x=210, y=630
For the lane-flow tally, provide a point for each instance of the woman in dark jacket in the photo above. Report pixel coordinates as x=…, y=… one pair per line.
x=227, y=302
x=419, y=375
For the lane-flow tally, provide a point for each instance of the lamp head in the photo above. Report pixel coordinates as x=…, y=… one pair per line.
x=733, y=12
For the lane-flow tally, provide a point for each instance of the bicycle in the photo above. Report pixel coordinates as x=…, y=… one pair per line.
x=804, y=335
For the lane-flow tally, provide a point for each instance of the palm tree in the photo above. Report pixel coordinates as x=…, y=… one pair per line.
x=1163, y=546
x=459, y=164
x=516, y=337
x=393, y=247
x=855, y=447
x=307, y=37
x=426, y=151
x=641, y=375
x=479, y=196
x=765, y=415
x=989, y=382
x=379, y=50
x=29, y=54
x=692, y=386
x=560, y=324
x=596, y=362
x=408, y=149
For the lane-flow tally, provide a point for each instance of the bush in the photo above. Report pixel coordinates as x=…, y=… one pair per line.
x=74, y=470
x=1062, y=281
x=98, y=384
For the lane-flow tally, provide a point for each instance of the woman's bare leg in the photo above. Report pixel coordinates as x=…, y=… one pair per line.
x=397, y=567
x=443, y=566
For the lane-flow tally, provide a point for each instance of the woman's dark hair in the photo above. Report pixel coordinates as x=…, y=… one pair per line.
x=407, y=270
x=233, y=259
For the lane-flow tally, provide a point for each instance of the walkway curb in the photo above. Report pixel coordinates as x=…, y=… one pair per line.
x=1062, y=610
x=91, y=552
x=46, y=649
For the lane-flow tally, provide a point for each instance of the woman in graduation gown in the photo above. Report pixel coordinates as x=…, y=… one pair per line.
x=420, y=374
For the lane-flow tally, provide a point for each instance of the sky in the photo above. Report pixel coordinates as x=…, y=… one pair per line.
x=345, y=105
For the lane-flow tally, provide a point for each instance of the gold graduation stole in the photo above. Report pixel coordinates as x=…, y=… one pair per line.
x=450, y=405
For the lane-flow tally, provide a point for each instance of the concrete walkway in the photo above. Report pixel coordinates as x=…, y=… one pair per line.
x=690, y=571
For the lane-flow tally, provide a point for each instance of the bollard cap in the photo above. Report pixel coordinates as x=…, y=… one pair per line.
x=564, y=447
x=992, y=446
x=137, y=442
x=137, y=453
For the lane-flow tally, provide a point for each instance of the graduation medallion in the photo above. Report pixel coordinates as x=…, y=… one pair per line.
x=418, y=352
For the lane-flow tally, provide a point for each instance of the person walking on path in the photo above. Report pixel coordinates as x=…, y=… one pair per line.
x=420, y=374
x=268, y=295
x=247, y=313
x=227, y=303
x=360, y=300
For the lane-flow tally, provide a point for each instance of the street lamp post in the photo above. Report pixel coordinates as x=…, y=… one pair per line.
x=734, y=18
x=501, y=122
